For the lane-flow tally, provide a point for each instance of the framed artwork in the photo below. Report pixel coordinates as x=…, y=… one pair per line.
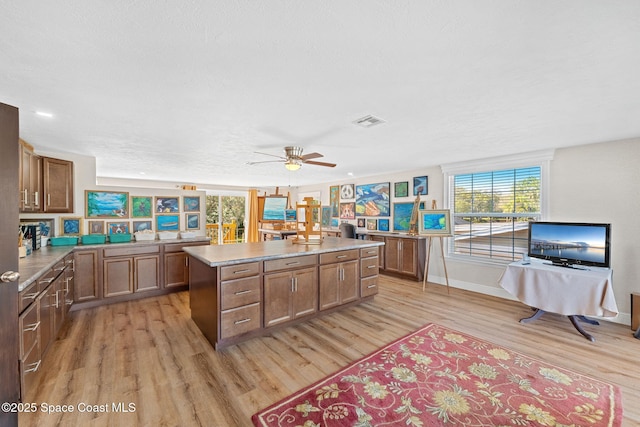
x=121, y=227
x=346, y=191
x=334, y=222
x=401, y=189
x=290, y=214
x=71, y=225
x=192, y=221
x=383, y=224
x=326, y=216
x=420, y=185
x=106, y=204
x=167, y=222
x=334, y=200
x=434, y=222
x=191, y=204
x=361, y=222
x=274, y=208
x=167, y=204
x=142, y=226
x=402, y=215
x=96, y=227
x=141, y=207
x=373, y=199
x=347, y=210
x=372, y=224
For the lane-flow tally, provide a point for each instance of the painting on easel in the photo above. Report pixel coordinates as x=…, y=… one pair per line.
x=435, y=222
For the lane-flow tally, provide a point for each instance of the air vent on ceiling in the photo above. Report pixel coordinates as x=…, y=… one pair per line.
x=368, y=121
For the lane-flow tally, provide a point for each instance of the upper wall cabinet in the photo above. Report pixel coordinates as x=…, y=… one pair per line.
x=45, y=183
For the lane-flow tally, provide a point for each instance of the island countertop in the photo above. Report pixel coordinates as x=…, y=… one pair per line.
x=221, y=255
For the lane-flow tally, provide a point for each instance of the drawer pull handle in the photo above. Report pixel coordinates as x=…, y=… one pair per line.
x=237, y=322
x=241, y=271
x=371, y=286
x=31, y=327
x=49, y=280
x=372, y=266
x=243, y=292
x=30, y=296
x=340, y=256
x=33, y=367
x=293, y=263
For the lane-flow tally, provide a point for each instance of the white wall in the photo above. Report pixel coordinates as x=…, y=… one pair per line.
x=590, y=183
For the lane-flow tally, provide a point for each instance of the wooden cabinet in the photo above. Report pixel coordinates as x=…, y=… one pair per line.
x=369, y=268
x=30, y=179
x=69, y=282
x=405, y=256
x=380, y=249
x=57, y=178
x=176, y=264
x=29, y=326
x=86, y=280
x=289, y=295
x=339, y=278
x=240, y=299
x=130, y=269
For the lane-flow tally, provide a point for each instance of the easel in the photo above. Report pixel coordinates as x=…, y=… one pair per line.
x=426, y=261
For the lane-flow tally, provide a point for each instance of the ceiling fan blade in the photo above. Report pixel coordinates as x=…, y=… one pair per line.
x=267, y=161
x=311, y=162
x=311, y=156
x=272, y=155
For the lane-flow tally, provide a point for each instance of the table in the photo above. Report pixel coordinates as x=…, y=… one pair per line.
x=282, y=234
x=573, y=292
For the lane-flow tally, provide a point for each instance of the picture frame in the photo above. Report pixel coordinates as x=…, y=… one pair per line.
x=346, y=192
x=141, y=206
x=326, y=216
x=290, y=215
x=192, y=221
x=167, y=204
x=167, y=222
x=71, y=225
x=118, y=227
x=106, y=204
x=372, y=224
x=191, y=203
x=402, y=215
x=334, y=200
x=373, y=199
x=96, y=227
x=334, y=222
x=274, y=208
x=362, y=222
x=420, y=185
x=435, y=222
x=383, y=224
x=347, y=210
x=401, y=189
x=139, y=226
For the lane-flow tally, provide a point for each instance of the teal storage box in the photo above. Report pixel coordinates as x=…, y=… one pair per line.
x=63, y=241
x=120, y=238
x=93, y=239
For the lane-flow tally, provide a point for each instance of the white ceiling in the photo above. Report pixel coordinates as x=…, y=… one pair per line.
x=188, y=90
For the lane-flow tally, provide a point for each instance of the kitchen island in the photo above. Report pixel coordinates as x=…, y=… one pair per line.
x=244, y=290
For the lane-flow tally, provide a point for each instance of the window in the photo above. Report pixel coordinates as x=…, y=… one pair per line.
x=491, y=210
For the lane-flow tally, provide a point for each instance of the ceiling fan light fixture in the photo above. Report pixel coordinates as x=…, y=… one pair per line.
x=292, y=164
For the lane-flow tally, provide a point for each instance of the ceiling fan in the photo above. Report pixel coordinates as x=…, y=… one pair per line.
x=293, y=159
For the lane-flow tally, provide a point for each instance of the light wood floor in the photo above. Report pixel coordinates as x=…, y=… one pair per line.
x=149, y=353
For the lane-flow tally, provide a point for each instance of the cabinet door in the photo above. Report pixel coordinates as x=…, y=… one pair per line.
x=45, y=302
x=392, y=254
x=176, y=269
x=305, y=295
x=30, y=180
x=329, y=286
x=409, y=254
x=57, y=177
x=86, y=279
x=350, y=284
x=58, y=305
x=277, y=298
x=146, y=272
x=117, y=276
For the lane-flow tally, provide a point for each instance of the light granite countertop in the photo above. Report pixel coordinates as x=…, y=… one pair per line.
x=220, y=255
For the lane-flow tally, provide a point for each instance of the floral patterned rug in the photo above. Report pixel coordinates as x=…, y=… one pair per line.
x=440, y=377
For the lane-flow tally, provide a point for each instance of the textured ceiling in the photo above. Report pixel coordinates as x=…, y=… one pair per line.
x=188, y=90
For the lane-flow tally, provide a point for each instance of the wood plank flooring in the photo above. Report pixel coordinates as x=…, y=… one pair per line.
x=150, y=354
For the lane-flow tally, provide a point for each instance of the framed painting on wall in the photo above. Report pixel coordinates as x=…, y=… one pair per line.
x=434, y=222
x=402, y=215
x=96, y=227
x=142, y=226
x=192, y=221
x=191, y=203
x=372, y=199
x=141, y=207
x=346, y=191
x=401, y=189
x=421, y=185
x=167, y=204
x=167, y=222
x=362, y=222
x=326, y=216
x=372, y=224
x=106, y=204
x=347, y=210
x=121, y=227
x=334, y=200
x=71, y=225
x=383, y=224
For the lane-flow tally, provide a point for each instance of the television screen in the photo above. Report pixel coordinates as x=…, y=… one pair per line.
x=274, y=208
x=570, y=244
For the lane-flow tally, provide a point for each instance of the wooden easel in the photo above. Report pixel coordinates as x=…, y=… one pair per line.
x=426, y=261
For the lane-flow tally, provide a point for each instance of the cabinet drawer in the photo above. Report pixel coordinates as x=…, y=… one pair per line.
x=289, y=263
x=236, y=293
x=338, y=256
x=177, y=247
x=240, y=320
x=367, y=252
x=368, y=266
x=131, y=250
x=239, y=271
x=27, y=296
x=29, y=367
x=29, y=324
x=369, y=286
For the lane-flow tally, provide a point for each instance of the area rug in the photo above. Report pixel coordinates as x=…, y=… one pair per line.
x=440, y=377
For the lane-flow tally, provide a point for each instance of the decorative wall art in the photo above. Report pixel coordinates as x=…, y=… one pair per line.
x=372, y=224
x=435, y=222
x=71, y=226
x=383, y=224
x=334, y=222
x=96, y=227
x=361, y=222
x=334, y=200
x=421, y=185
x=372, y=199
x=121, y=227
x=402, y=215
x=167, y=222
x=167, y=204
x=191, y=204
x=192, y=221
x=347, y=210
x=141, y=207
x=326, y=216
x=139, y=226
x=106, y=204
x=346, y=191
x=401, y=189
x=290, y=214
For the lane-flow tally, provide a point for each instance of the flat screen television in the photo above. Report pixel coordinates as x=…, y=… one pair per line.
x=571, y=244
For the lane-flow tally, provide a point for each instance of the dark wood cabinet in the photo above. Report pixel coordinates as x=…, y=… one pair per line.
x=130, y=269
x=339, y=281
x=240, y=299
x=369, y=268
x=30, y=179
x=405, y=256
x=57, y=178
x=289, y=295
x=176, y=264
x=86, y=280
